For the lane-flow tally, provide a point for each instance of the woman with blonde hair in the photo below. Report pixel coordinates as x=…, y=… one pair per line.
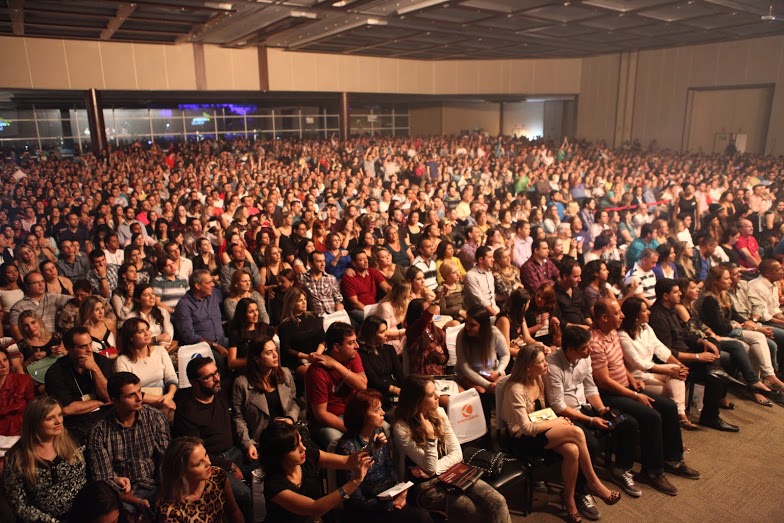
x=525, y=395
x=273, y=265
x=45, y=469
x=191, y=488
x=507, y=276
x=392, y=309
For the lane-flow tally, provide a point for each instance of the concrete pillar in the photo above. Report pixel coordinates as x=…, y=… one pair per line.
x=345, y=127
x=94, y=107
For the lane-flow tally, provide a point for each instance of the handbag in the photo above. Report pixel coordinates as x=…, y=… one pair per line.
x=492, y=463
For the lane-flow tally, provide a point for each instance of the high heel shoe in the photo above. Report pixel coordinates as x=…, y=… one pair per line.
x=612, y=499
x=571, y=517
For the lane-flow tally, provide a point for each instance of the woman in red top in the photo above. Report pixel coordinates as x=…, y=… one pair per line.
x=16, y=391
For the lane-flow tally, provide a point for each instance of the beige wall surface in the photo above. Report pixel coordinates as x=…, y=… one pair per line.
x=36, y=63
x=295, y=71
x=596, y=106
x=425, y=121
x=665, y=76
x=742, y=111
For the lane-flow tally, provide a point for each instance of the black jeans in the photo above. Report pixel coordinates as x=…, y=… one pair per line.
x=660, y=430
x=624, y=442
x=715, y=390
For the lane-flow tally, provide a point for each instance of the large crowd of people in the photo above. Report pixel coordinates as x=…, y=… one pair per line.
x=321, y=277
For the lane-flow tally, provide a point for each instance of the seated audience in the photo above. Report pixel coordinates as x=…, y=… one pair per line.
x=78, y=382
x=17, y=390
x=240, y=288
x=641, y=351
x=573, y=394
x=661, y=445
x=158, y=318
x=525, y=396
x=364, y=419
x=479, y=286
x=380, y=360
x=203, y=412
x=191, y=488
x=330, y=380
x=45, y=469
x=292, y=480
x=482, y=353
x=392, y=309
x=425, y=440
x=361, y=286
x=45, y=305
x=301, y=333
x=102, y=330
x=127, y=445
x=148, y=362
x=264, y=393
x=198, y=317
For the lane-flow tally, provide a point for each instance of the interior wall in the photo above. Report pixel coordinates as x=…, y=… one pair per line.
x=596, y=106
x=743, y=111
x=295, y=71
x=424, y=120
x=524, y=119
x=666, y=75
x=467, y=116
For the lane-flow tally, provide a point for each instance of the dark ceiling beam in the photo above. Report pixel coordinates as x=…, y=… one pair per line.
x=123, y=12
x=98, y=29
x=182, y=5
x=17, y=16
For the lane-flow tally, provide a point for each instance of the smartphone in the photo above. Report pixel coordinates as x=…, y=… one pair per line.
x=373, y=445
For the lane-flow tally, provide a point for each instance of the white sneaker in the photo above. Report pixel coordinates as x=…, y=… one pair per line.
x=625, y=480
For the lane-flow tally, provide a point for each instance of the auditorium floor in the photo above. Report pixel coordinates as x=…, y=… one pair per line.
x=742, y=477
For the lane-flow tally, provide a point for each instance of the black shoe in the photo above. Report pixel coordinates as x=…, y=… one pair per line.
x=720, y=374
x=683, y=470
x=776, y=396
x=586, y=506
x=660, y=483
x=720, y=424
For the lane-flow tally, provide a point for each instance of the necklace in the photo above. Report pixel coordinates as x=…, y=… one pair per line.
x=293, y=476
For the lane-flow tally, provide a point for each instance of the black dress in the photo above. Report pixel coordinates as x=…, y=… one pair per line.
x=534, y=445
x=274, y=484
x=383, y=368
x=303, y=334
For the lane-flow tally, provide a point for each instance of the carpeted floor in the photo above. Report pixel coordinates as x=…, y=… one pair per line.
x=742, y=477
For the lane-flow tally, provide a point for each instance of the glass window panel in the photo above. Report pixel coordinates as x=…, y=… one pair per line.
x=230, y=124
x=47, y=114
x=167, y=126
x=287, y=123
x=333, y=122
x=200, y=124
x=258, y=123
x=130, y=128
x=383, y=121
x=50, y=128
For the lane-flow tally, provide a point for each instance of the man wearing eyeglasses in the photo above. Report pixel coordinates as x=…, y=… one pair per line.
x=203, y=412
x=45, y=304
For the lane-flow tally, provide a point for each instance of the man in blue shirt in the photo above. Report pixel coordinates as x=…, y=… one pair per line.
x=197, y=316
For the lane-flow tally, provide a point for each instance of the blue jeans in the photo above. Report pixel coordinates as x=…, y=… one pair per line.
x=778, y=339
x=740, y=359
x=240, y=488
x=141, y=493
x=327, y=435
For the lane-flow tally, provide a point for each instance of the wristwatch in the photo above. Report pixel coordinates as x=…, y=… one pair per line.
x=343, y=493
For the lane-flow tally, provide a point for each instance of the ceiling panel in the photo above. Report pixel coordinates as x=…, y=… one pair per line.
x=421, y=29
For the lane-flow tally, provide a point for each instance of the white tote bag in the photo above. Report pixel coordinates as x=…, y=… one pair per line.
x=467, y=416
x=185, y=354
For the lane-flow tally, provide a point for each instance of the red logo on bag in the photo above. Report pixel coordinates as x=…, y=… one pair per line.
x=467, y=410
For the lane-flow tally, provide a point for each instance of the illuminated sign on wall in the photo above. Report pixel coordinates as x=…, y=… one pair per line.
x=200, y=120
x=4, y=124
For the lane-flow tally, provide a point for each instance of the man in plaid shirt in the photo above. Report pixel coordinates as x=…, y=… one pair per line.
x=323, y=288
x=126, y=447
